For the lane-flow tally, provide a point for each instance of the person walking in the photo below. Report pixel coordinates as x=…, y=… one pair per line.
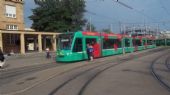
x=2, y=59
x=90, y=52
x=48, y=53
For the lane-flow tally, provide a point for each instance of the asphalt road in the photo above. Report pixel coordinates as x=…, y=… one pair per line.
x=120, y=75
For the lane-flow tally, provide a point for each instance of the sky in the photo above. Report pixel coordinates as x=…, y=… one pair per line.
x=113, y=15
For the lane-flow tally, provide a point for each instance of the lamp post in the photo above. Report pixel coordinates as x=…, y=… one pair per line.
x=123, y=40
x=90, y=23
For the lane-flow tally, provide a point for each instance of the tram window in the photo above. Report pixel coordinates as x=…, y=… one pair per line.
x=90, y=40
x=127, y=43
x=117, y=42
x=138, y=43
x=144, y=42
x=109, y=43
x=153, y=42
x=134, y=42
x=78, y=46
x=149, y=42
x=65, y=41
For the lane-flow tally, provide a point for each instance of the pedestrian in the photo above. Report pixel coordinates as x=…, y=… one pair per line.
x=87, y=50
x=48, y=53
x=2, y=59
x=90, y=52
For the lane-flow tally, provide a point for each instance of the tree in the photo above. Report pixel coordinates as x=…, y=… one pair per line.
x=58, y=15
x=93, y=28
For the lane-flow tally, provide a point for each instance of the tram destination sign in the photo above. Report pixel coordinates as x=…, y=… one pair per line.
x=64, y=40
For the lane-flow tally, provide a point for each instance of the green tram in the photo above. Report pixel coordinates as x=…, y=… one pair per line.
x=163, y=42
x=139, y=43
x=72, y=46
x=151, y=42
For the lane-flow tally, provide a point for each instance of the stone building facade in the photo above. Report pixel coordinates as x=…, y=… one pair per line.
x=11, y=15
x=14, y=37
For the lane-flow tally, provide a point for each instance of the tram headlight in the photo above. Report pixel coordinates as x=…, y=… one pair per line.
x=60, y=53
x=68, y=53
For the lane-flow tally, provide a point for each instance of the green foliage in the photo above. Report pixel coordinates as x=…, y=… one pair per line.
x=58, y=15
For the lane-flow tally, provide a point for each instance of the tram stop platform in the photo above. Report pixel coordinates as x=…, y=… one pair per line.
x=29, y=59
x=36, y=58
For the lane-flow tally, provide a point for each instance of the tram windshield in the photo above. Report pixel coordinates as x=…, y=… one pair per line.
x=64, y=41
x=149, y=42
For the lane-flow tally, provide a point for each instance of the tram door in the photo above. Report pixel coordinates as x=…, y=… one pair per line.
x=135, y=44
x=96, y=46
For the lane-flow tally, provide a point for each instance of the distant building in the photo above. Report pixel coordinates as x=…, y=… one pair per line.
x=13, y=35
x=140, y=31
x=164, y=34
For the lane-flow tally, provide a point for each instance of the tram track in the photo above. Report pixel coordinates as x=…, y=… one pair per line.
x=83, y=88
x=22, y=70
x=62, y=73
x=167, y=63
x=16, y=73
x=80, y=74
x=96, y=69
x=95, y=75
x=158, y=75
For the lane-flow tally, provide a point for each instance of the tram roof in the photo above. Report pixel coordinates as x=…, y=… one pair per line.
x=88, y=33
x=100, y=33
x=147, y=37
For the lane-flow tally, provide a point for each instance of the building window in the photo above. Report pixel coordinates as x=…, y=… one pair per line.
x=10, y=11
x=12, y=39
x=11, y=27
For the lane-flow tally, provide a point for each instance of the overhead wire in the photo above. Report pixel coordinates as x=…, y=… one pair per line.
x=140, y=12
x=131, y=8
x=108, y=20
x=135, y=10
x=123, y=4
x=99, y=15
x=164, y=8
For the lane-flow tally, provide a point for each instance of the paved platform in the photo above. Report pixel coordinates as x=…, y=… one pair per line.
x=29, y=59
x=34, y=58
